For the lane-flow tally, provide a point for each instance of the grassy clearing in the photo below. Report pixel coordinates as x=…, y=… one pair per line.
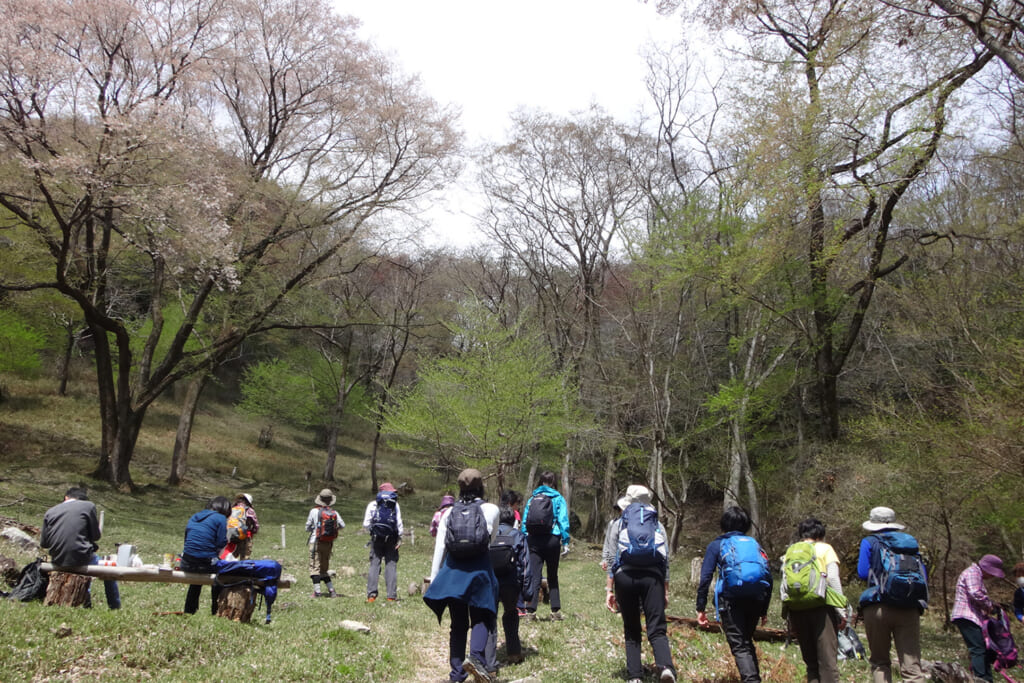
x=47, y=443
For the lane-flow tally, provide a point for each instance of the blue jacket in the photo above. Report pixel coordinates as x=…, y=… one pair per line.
x=205, y=535
x=561, y=510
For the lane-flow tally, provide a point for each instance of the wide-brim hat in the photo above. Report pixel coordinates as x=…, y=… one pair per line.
x=992, y=565
x=623, y=503
x=446, y=500
x=638, y=494
x=386, y=486
x=325, y=497
x=882, y=518
x=248, y=498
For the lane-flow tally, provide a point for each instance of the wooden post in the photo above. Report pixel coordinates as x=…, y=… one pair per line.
x=236, y=603
x=67, y=590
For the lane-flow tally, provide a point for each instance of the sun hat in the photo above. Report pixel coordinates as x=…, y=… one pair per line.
x=325, y=497
x=446, y=500
x=639, y=494
x=248, y=498
x=624, y=502
x=471, y=479
x=386, y=486
x=992, y=565
x=882, y=518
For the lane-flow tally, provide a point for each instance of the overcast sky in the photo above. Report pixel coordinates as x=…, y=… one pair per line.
x=490, y=58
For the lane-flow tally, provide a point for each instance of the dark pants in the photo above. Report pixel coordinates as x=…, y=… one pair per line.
x=383, y=549
x=478, y=624
x=192, y=597
x=636, y=591
x=110, y=590
x=545, y=550
x=508, y=598
x=981, y=665
x=739, y=619
x=815, y=631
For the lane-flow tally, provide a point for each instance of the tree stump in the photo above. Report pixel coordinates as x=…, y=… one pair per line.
x=67, y=590
x=237, y=603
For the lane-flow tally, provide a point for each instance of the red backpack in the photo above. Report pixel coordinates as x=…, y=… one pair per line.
x=327, y=524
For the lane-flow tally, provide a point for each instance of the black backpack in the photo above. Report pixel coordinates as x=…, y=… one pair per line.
x=32, y=583
x=541, y=517
x=467, y=534
x=503, y=555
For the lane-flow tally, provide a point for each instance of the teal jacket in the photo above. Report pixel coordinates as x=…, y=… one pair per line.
x=561, y=510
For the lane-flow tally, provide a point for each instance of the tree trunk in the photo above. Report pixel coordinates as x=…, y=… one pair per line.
x=65, y=365
x=332, y=452
x=236, y=603
x=67, y=590
x=179, y=458
x=373, y=459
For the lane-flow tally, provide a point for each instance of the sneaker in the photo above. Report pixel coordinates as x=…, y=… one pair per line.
x=528, y=616
x=667, y=676
x=522, y=613
x=371, y=598
x=332, y=594
x=318, y=595
x=392, y=599
x=634, y=680
x=476, y=670
x=557, y=616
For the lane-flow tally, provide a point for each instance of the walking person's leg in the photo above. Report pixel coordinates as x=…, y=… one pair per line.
x=457, y=635
x=391, y=570
x=536, y=570
x=974, y=638
x=627, y=596
x=653, y=600
x=373, y=576
x=879, y=636
x=554, y=552
x=738, y=623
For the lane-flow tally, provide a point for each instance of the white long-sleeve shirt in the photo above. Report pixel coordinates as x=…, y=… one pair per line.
x=491, y=514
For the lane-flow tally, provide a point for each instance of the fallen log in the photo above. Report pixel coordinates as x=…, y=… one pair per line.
x=774, y=635
x=154, y=574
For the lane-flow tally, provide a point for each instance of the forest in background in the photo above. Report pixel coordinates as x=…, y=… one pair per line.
x=796, y=285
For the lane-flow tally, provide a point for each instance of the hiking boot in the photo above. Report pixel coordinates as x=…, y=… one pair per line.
x=371, y=598
x=667, y=676
x=476, y=670
x=332, y=594
x=557, y=616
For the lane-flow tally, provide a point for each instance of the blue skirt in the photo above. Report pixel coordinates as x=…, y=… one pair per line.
x=470, y=582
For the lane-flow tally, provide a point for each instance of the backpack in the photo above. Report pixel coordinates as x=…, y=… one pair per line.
x=897, y=571
x=742, y=568
x=326, y=524
x=384, y=523
x=850, y=646
x=541, y=517
x=803, y=582
x=467, y=535
x=238, y=529
x=641, y=541
x=999, y=640
x=503, y=555
x=32, y=583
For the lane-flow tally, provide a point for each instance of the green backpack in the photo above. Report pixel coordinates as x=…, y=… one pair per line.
x=803, y=581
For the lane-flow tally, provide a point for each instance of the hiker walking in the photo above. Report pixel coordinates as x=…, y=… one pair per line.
x=1018, y=593
x=447, y=500
x=206, y=534
x=546, y=525
x=638, y=582
x=892, y=617
x=972, y=606
x=813, y=603
x=514, y=500
x=383, y=519
x=462, y=579
x=242, y=526
x=510, y=560
x=323, y=524
x=743, y=589
x=71, y=531
x=611, y=533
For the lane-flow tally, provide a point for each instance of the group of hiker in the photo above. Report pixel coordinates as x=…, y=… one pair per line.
x=488, y=556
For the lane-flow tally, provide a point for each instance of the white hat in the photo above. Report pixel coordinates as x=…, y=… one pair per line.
x=623, y=503
x=248, y=498
x=882, y=518
x=639, y=494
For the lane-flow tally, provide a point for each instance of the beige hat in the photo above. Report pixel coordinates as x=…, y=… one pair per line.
x=471, y=479
x=882, y=518
x=325, y=497
x=639, y=494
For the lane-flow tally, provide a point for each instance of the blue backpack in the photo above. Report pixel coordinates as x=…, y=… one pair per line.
x=743, y=570
x=641, y=541
x=384, y=523
x=897, y=571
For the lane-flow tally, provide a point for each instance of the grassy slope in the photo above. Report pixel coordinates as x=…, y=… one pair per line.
x=47, y=443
